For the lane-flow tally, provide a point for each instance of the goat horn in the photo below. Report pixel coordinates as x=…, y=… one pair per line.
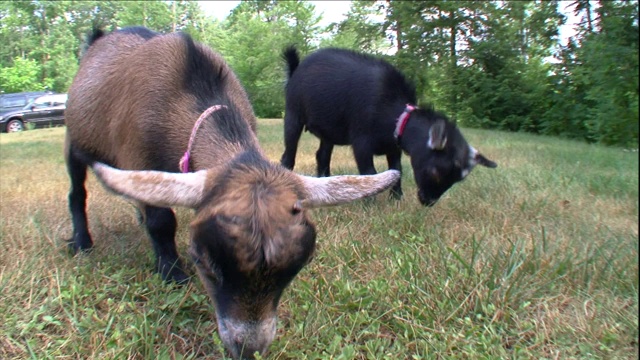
x=337, y=190
x=476, y=158
x=156, y=188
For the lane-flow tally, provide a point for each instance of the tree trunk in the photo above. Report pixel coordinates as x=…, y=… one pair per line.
x=454, y=65
x=398, y=29
x=44, y=35
x=144, y=14
x=173, y=20
x=588, y=14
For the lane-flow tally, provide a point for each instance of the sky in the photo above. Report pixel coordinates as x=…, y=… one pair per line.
x=334, y=11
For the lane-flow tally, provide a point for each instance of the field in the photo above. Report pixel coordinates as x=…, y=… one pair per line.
x=537, y=259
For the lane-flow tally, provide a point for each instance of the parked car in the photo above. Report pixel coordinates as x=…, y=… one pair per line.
x=17, y=101
x=43, y=111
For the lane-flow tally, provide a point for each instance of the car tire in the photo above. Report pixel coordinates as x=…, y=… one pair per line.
x=14, y=125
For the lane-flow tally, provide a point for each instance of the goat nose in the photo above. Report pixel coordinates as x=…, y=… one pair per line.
x=244, y=338
x=245, y=351
x=426, y=200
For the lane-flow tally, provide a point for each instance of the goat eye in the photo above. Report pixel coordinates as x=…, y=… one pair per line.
x=213, y=277
x=231, y=220
x=206, y=269
x=297, y=208
x=435, y=175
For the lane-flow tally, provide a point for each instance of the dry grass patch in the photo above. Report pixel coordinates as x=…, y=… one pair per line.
x=536, y=259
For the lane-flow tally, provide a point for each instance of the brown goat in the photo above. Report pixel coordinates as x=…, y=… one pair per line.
x=133, y=106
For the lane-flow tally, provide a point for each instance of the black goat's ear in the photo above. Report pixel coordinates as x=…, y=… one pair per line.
x=437, y=135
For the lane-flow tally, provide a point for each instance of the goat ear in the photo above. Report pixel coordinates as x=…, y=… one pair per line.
x=337, y=190
x=437, y=135
x=478, y=159
x=156, y=188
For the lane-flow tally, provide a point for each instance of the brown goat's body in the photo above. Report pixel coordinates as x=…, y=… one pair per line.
x=133, y=105
x=129, y=87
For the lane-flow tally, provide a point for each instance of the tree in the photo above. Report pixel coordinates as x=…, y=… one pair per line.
x=507, y=84
x=359, y=31
x=255, y=58
x=584, y=8
x=52, y=32
x=155, y=15
x=596, y=95
x=484, y=63
x=24, y=75
x=610, y=67
x=43, y=37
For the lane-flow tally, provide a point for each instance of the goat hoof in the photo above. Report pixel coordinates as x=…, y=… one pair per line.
x=179, y=278
x=368, y=201
x=79, y=244
x=395, y=195
x=173, y=274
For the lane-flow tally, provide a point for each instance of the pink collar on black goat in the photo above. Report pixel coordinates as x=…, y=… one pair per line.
x=403, y=119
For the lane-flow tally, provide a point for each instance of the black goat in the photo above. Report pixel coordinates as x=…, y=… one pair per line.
x=347, y=98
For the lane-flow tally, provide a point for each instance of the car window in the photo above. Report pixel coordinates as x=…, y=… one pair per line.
x=41, y=102
x=14, y=102
x=31, y=98
x=59, y=100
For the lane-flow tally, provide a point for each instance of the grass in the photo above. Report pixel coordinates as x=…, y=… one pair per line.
x=537, y=259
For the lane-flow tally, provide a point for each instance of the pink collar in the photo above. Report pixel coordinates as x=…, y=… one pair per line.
x=402, y=121
x=184, y=161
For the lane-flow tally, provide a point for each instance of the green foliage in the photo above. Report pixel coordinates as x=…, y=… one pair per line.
x=256, y=58
x=51, y=33
x=22, y=76
x=62, y=65
x=596, y=81
x=610, y=70
x=487, y=64
x=359, y=31
x=152, y=14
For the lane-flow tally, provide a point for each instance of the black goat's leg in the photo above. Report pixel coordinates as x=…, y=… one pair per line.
x=364, y=157
x=323, y=158
x=292, y=131
x=395, y=163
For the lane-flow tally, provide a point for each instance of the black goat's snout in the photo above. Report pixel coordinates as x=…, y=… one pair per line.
x=426, y=200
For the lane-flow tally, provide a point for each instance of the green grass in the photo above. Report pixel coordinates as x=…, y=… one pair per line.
x=537, y=259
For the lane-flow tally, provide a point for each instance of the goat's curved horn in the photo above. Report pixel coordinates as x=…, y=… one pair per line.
x=157, y=188
x=336, y=190
x=475, y=158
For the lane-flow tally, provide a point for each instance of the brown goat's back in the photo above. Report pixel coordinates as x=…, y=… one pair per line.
x=133, y=103
x=139, y=101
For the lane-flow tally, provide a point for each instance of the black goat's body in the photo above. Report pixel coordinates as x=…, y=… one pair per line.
x=340, y=97
x=348, y=98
